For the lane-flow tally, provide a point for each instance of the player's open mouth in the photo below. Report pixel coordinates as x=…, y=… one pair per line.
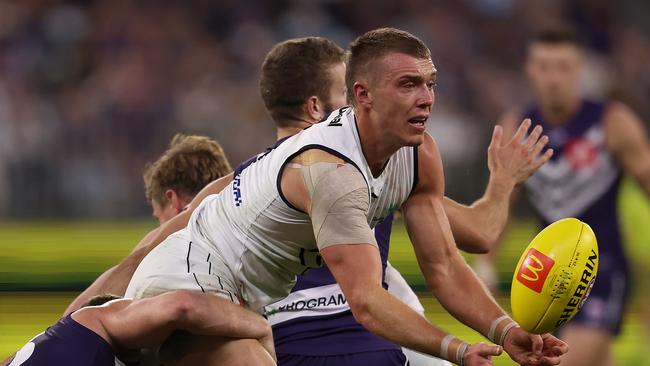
x=419, y=121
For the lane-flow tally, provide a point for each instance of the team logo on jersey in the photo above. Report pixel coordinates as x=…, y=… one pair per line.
x=236, y=190
x=336, y=121
x=534, y=270
x=581, y=153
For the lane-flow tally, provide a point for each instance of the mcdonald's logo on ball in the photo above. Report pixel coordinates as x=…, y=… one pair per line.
x=534, y=270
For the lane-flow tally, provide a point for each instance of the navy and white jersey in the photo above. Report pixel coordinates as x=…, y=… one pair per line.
x=66, y=343
x=263, y=240
x=582, y=178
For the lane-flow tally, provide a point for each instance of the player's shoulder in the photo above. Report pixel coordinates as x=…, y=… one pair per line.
x=316, y=155
x=619, y=119
x=621, y=125
x=614, y=110
x=429, y=166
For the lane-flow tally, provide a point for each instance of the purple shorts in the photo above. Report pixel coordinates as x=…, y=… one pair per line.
x=605, y=306
x=374, y=358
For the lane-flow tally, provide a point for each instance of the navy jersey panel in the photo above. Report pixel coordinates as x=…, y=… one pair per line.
x=334, y=334
x=69, y=343
x=327, y=335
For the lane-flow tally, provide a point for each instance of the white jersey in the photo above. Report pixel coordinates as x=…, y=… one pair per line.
x=264, y=241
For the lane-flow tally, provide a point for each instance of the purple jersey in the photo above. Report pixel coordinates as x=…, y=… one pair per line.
x=582, y=180
x=66, y=343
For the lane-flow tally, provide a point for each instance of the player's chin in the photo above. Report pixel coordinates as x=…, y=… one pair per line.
x=415, y=136
x=415, y=139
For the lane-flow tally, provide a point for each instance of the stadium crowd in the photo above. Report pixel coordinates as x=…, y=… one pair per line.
x=92, y=90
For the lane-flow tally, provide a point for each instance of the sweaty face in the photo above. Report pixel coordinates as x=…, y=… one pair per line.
x=554, y=73
x=401, y=94
x=337, y=92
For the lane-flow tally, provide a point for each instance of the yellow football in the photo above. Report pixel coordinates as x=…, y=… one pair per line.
x=554, y=276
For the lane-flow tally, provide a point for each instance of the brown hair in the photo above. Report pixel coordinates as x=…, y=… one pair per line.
x=190, y=163
x=555, y=32
x=293, y=71
x=376, y=44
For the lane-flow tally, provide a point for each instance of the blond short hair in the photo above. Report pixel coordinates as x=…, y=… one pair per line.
x=188, y=165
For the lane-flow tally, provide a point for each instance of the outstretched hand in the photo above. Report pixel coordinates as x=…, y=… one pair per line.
x=529, y=349
x=520, y=157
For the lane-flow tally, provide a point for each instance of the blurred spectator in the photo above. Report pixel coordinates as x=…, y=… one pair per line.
x=91, y=90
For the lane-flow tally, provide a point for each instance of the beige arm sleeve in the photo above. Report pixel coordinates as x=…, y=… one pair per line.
x=339, y=204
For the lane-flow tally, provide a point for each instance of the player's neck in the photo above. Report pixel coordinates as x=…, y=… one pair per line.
x=375, y=149
x=292, y=127
x=557, y=115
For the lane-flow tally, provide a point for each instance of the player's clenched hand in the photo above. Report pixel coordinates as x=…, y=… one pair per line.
x=529, y=349
x=480, y=354
x=520, y=157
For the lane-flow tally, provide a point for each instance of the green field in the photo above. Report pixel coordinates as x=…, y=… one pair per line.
x=43, y=263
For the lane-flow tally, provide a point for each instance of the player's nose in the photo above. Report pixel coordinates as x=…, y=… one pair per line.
x=425, y=98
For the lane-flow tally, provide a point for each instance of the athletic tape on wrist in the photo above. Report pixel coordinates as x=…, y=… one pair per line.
x=493, y=327
x=444, y=346
x=505, y=332
x=460, y=353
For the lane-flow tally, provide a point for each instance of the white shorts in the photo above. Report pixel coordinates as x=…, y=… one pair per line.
x=179, y=263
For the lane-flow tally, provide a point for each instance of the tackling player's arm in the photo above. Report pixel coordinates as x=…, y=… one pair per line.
x=335, y=196
x=627, y=140
x=116, y=279
x=477, y=228
x=129, y=325
x=451, y=280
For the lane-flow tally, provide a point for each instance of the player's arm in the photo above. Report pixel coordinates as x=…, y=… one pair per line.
x=148, y=322
x=451, y=280
x=477, y=227
x=335, y=196
x=627, y=140
x=116, y=280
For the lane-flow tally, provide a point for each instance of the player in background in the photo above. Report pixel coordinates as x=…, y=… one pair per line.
x=171, y=182
x=283, y=86
x=335, y=181
x=114, y=332
x=188, y=165
x=595, y=143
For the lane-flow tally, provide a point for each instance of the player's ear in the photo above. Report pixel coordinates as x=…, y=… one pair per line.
x=361, y=94
x=174, y=200
x=314, y=109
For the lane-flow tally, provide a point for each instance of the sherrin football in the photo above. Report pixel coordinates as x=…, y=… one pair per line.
x=554, y=276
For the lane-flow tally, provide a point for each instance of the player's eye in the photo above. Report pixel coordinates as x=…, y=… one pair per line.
x=431, y=84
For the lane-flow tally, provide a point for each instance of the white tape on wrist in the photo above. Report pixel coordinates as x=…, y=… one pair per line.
x=493, y=327
x=505, y=332
x=460, y=353
x=444, y=346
